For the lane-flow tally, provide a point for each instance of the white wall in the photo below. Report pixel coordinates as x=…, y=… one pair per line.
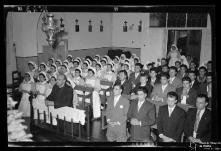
x=24, y=33
x=154, y=45
x=83, y=39
x=151, y=40
x=10, y=51
x=131, y=38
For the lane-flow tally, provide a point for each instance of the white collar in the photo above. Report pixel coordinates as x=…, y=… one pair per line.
x=164, y=86
x=171, y=108
x=172, y=78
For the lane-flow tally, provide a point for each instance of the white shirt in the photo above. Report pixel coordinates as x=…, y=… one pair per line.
x=170, y=110
x=171, y=80
x=136, y=75
x=140, y=103
x=192, y=83
x=122, y=82
x=163, y=87
x=116, y=99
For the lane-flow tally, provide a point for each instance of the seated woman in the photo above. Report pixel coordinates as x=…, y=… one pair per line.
x=117, y=66
x=77, y=77
x=41, y=91
x=58, y=63
x=103, y=64
x=108, y=74
x=98, y=70
x=84, y=68
x=92, y=81
x=65, y=71
x=126, y=66
x=143, y=83
x=53, y=71
x=26, y=87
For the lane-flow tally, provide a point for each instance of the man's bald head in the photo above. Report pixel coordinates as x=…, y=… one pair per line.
x=61, y=80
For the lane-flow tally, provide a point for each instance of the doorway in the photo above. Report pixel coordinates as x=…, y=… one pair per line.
x=187, y=41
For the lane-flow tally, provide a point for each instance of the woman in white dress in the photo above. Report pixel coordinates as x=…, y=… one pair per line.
x=174, y=55
x=53, y=71
x=92, y=81
x=41, y=91
x=84, y=68
x=52, y=82
x=108, y=74
x=98, y=70
x=58, y=63
x=26, y=87
x=32, y=69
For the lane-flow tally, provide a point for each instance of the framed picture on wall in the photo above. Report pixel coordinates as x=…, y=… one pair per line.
x=77, y=28
x=90, y=26
x=125, y=27
x=101, y=27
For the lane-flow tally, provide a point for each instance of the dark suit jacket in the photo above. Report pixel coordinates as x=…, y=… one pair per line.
x=127, y=86
x=147, y=116
x=119, y=112
x=180, y=76
x=192, y=96
x=204, y=128
x=134, y=80
x=196, y=85
x=202, y=88
x=171, y=126
x=177, y=83
x=157, y=81
x=148, y=86
x=157, y=91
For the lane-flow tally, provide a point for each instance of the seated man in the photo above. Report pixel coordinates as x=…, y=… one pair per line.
x=186, y=94
x=170, y=120
x=141, y=115
x=197, y=126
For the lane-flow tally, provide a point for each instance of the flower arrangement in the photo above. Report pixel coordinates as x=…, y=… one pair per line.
x=16, y=130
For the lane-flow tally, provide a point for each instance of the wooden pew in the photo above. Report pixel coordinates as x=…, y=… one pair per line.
x=106, y=86
x=84, y=95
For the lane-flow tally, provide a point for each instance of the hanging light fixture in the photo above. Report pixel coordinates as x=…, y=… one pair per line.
x=51, y=29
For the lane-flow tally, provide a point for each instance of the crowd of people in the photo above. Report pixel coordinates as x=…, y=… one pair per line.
x=173, y=97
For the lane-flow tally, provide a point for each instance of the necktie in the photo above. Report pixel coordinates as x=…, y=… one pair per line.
x=197, y=121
